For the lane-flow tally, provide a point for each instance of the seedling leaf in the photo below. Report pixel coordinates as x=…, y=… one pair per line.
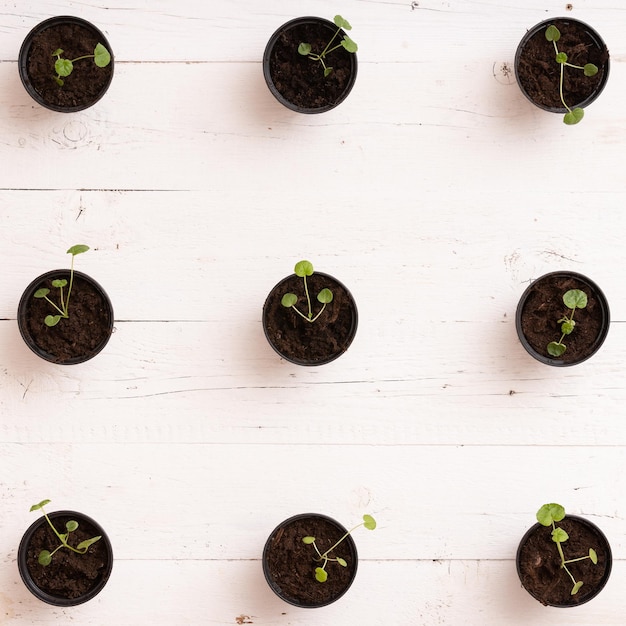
x=593, y=556
x=575, y=299
x=341, y=23
x=320, y=575
x=349, y=45
x=590, y=69
x=44, y=558
x=559, y=535
x=574, y=116
x=303, y=268
x=78, y=249
x=101, y=56
x=289, y=299
x=553, y=33
x=36, y=507
x=308, y=540
x=567, y=327
x=549, y=513
x=63, y=67
x=71, y=526
x=576, y=587
x=341, y=562
x=51, y=320
x=561, y=57
x=304, y=49
x=328, y=71
x=83, y=545
x=59, y=282
x=57, y=52
x=325, y=296
x=41, y=293
x=556, y=349
x=369, y=522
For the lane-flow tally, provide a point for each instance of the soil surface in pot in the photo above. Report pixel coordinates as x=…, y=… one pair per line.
x=85, y=83
x=301, y=80
x=291, y=563
x=540, y=564
x=543, y=310
x=70, y=575
x=313, y=342
x=88, y=325
x=539, y=73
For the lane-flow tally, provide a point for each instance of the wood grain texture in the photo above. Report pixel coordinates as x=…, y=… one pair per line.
x=435, y=192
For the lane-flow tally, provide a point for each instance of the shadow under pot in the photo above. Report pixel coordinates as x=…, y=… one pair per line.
x=542, y=313
x=88, y=79
x=539, y=564
x=300, y=341
x=70, y=578
x=76, y=339
x=289, y=564
x=297, y=81
x=538, y=72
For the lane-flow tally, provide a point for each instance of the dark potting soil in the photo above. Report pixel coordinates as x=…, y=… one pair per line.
x=539, y=73
x=291, y=563
x=540, y=564
x=69, y=575
x=88, y=325
x=296, y=338
x=543, y=310
x=85, y=83
x=301, y=80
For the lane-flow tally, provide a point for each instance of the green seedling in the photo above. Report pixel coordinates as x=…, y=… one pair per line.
x=547, y=515
x=45, y=556
x=305, y=48
x=64, y=67
x=321, y=575
x=573, y=299
x=289, y=300
x=60, y=283
x=573, y=116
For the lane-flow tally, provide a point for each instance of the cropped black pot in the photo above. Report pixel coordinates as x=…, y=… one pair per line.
x=304, y=343
x=299, y=83
x=94, y=333
x=27, y=558
x=538, y=563
x=541, y=307
x=85, y=85
x=289, y=564
x=538, y=73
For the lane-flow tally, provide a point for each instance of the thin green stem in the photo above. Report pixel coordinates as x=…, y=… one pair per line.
x=580, y=558
x=87, y=56
x=69, y=290
x=308, y=298
x=561, y=88
x=54, y=305
x=333, y=547
x=325, y=51
x=321, y=311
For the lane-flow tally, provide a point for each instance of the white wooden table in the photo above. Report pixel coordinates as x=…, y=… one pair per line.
x=436, y=192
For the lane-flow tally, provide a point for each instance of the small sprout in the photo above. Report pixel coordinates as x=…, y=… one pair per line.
x=573, y=299
x=64, y=300
x=325, y=296
x=64, y=67
x=547, y=515
x=348, y=44
x=572, y=116
x=45, y=556
x=321, y=575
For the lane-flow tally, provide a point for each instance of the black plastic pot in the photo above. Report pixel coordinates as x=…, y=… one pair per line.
x=583, y=283
x=605, y=559
x=348, y=549
x=23, y=317
x=308, y=332
x=273, y=80
x=23, y=558
x=594, y=40
x=24, y=54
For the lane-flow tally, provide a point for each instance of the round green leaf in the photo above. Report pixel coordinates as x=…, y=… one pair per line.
x=71, y=526
x=575, y=299
x=369, y=522
x=320, y=575
x=41, y=293
x=57, y=52
x=328, y=71
x=325, y=296
x=567, y=327
x=289, y=299
x=561, y=57
x=303, y=268
x=559, y=535
x=552, y=33
x=43, y=503
x=341, y=562
x=593, y=556
x=549, y=513
x=349, y=45
x=308, y=540
x=590, y=69
x=341, y=23
x=573, y=117
x=44, y=558
x=576, y=587
x=63, y=67
x=101, y=56
x=78, y=249
x=51, y=320
x=556, y=348
x=59, y=282
x=304, y=49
